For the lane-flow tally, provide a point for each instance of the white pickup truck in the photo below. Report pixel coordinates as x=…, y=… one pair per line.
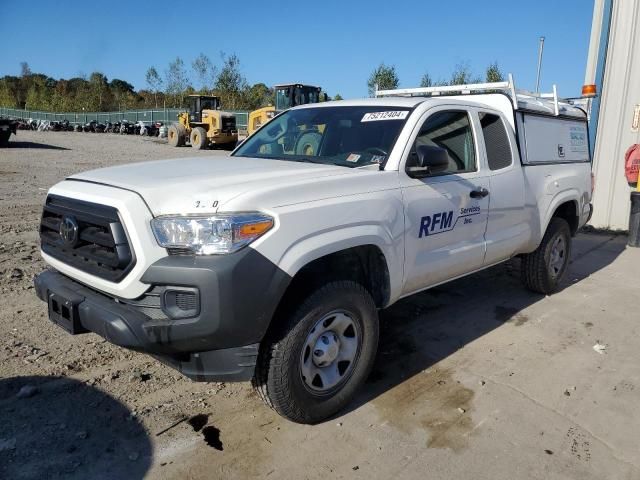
x=271, y=265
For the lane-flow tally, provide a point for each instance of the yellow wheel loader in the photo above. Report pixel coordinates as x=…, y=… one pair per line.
x=287, y=95
x=204, y=125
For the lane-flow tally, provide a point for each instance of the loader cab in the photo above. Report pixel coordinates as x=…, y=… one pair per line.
x=293, y=94
x=198, y=103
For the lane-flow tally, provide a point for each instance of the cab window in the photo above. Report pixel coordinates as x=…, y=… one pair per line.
x=450, y=130
x=496, y=141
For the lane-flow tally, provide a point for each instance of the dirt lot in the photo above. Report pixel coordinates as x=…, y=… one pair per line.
x=478, y=379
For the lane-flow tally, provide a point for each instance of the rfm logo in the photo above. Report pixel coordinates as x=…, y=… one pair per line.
x=441, y=221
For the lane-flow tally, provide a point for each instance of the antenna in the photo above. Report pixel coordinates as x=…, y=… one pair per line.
x=540, y=51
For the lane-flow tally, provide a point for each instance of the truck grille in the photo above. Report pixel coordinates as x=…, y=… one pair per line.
x=86, y=236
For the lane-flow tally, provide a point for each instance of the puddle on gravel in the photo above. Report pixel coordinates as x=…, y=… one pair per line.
x=197, y=422
x=434, y=401
x=212, y=437
x=210, y=433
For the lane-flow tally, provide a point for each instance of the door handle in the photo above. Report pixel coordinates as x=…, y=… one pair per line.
x=480, y=193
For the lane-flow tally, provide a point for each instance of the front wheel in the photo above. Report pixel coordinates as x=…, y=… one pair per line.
x=198, y=138
x=313, y=365
x=544, y=268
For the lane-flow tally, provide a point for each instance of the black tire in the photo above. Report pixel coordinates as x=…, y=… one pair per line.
x=279, y=380
x=539, y=272
x=4, y=138
x=198, y=138
x=176, y=135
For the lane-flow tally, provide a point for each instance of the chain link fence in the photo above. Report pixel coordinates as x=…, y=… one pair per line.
x=164, y=115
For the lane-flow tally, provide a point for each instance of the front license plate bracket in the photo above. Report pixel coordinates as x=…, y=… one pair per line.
x=64, y=313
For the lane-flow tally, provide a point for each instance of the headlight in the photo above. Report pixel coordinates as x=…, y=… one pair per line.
x=216, y=234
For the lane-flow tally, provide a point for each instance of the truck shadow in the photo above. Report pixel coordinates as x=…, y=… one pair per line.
x=56, y=427
x=419, y=331
x=34, y=145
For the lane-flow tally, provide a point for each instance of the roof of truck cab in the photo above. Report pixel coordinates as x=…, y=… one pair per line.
x=408, y=102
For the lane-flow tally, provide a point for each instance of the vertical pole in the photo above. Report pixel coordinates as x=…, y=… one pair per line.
x=540, y=50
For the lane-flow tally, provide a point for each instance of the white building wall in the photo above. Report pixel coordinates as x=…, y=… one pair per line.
x=619, y=96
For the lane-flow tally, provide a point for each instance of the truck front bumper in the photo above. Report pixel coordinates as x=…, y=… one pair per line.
x=237, y=296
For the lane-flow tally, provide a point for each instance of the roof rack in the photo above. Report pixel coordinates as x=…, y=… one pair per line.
x=508, y=87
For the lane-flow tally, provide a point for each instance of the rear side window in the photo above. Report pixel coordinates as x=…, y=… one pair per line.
x=496, y=141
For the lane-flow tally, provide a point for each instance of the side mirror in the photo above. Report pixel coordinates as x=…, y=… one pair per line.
x=427, y=160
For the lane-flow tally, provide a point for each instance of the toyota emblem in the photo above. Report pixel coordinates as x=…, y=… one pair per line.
x=69, y=230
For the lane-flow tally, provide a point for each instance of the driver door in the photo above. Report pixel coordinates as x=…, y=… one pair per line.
x=445, y=213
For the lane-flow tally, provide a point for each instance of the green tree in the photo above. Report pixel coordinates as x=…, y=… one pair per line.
x=25, y=71
x=494, y=74
x=462, y=75
x=383, y=78
x=257, y=96
x=80, y=96
x=205, y=72
x=61, y=97
x=176, y=80
x=426, y=81
x=337, y=96
x=100, y=94
x=18, y=88
x=123, y=94
x=39, y=92
x=7, y=98
x=154, y=82
x=231, y=84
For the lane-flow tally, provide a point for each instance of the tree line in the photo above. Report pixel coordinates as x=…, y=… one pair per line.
x=169, y=87
x=385, y=77
x=96, y=93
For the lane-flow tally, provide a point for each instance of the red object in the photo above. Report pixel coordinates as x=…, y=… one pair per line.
x=632, y=164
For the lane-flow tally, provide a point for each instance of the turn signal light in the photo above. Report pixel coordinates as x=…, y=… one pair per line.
x=589, y=91
x=254, y=229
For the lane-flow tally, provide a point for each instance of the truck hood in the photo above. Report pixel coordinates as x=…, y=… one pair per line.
x=205, y=184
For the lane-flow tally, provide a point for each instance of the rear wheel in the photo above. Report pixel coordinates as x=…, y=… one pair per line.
x=176, y=135
x=198, y=138
x=313, y=365
x=543, y=269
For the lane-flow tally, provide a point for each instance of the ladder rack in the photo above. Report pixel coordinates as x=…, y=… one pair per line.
x=507, y=87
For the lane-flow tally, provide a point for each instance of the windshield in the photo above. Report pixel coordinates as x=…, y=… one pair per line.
x=209, y=103
x=283, y=98
x=345, y=136
x=293, y=95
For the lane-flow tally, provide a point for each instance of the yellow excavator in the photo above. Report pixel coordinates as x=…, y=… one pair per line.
x=287, y=95
x=204, y=125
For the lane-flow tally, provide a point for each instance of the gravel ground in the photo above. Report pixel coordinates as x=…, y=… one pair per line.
x=84, y=375
x=476, y=379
